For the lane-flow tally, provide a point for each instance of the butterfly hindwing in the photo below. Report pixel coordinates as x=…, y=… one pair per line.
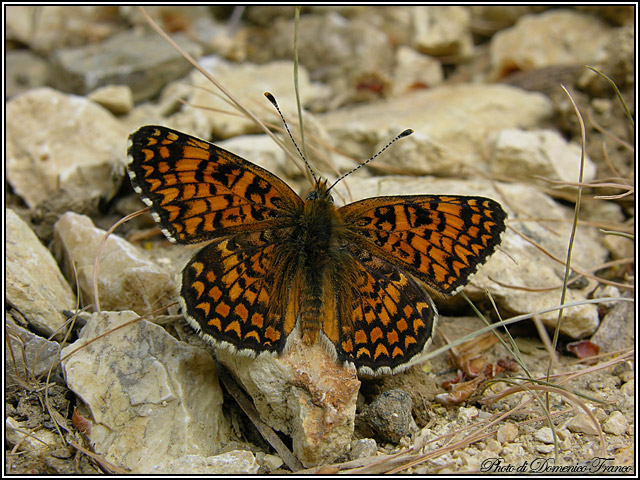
x=236, y=292
x=387, y=318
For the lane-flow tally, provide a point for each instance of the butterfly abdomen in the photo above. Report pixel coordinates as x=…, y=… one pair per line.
x=316, y=240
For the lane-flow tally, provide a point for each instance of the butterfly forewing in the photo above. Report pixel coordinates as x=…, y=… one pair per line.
x=440, y=239
x=198, y=191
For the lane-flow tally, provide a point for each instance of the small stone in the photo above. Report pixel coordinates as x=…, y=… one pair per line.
x=389, y=415
x=507, y=433
x=319, y=408
x=627, y=376
x=57, y=142
x=127, y=279
x=363, y=448
x=530, y=43
x=544, y=448
x=27, y=355
x=442, y=30
x=523, y=154
x=467, y=415
x=127, y=58
x=37, y=441
x=628, y=388
x=493, y=446
x=118, y=99
x=616, y=424
x=150, y=398
x=545, y=435
x=271, y=462
x=229, y=463
x=35, y=286
x=582, y=424
x=599, y=413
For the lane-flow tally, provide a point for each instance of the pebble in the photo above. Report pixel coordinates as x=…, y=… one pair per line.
x=507, y=433
x=389, y=415
x=363, y=448
x=617, y=424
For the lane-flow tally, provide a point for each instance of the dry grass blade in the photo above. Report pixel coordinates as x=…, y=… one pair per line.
x=516, y=319
x=99, y=253
x=615, y=88
x=574, y=398
x=236, y=103
x=574, y=230
x=560, y=261
x=126, y=324
x=105, y=464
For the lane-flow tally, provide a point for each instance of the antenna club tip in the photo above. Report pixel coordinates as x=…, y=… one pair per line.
x=406, y=133
x=270, y=97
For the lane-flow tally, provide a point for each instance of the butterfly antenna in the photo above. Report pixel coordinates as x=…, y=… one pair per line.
x=272, y=99
x=406, y=133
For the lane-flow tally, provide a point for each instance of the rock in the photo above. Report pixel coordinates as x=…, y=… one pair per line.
x=554, y=37
x=363, y=448
x=143, y=62
x=451, y=122
x=35, y=287
x=582, y=423
x=57, y=141
x=525, y=155
x=304, y=394
x=389, y=416
x=118, y=99
x=498, y=16
x=507, y=433
x=38, y=440
x=616, y=60
x=148, y=398
x=415, y=70
x=617, y=329
x=442, y=30
x=544, y=435
x=27, y=355
x=355, y=59
x=468, y=415
x=236, y=462
x=24, y=70
x=269, y=463
x=619, y=247
x=544, y=448
x=616, y=424
x=44, y=28
x=249, y=82
x=126, y=279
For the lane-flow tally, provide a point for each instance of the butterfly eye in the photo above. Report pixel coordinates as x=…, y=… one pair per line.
x=312, y=195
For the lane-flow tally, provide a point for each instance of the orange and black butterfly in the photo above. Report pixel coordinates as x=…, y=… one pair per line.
x=277, y=265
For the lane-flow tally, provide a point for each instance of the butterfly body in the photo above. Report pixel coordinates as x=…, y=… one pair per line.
x=277, y=266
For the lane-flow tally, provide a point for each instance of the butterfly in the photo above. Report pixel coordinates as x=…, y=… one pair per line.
x=355, y=278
